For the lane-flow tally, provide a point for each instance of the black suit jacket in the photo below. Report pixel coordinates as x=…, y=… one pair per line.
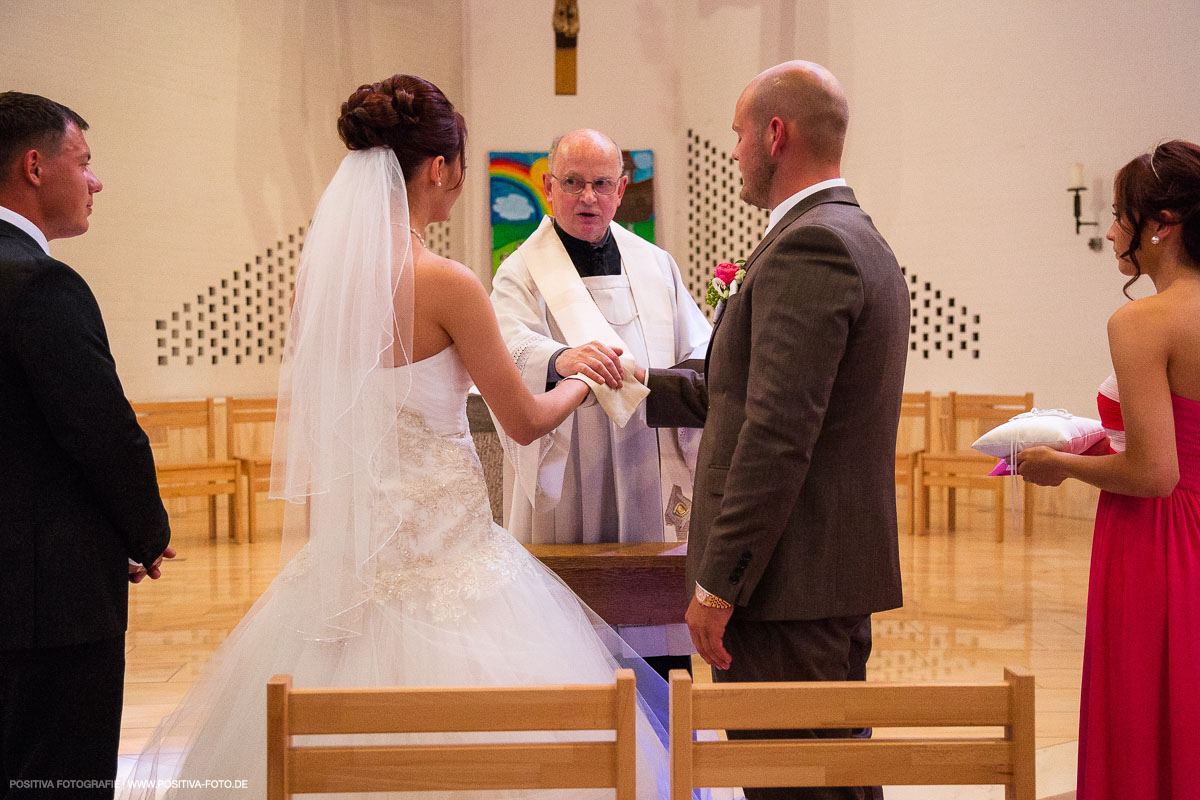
x=78, y=496
x=794, y=508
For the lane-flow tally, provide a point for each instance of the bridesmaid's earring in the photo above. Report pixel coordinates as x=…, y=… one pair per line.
x=1153, y=239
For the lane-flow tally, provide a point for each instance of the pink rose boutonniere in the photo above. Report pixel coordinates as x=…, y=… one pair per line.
x=726, y=279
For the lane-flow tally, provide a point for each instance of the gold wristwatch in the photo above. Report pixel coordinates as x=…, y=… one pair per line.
x=710, y=600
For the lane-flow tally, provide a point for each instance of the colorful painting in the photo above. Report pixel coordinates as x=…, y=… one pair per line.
x=518, y=201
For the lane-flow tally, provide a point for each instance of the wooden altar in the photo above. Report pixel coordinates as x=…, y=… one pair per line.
x=626, y=584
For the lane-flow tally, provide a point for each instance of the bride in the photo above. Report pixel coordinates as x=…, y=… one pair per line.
x=394, y=573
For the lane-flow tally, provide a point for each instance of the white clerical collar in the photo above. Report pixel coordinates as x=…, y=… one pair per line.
x=13, y=218
x=778, y=212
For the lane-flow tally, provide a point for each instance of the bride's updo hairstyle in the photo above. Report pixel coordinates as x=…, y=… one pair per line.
x=409, y=115
x=1162, y=185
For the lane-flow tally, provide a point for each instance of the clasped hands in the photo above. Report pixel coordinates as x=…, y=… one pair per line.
x=594, y=360
x=138, y=572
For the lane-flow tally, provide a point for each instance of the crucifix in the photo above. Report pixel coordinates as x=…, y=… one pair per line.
x=566, y=34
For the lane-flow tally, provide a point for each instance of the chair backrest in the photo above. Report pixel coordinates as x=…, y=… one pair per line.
x=245, y=411
x=1007, y=760
x=982, y=412
x=160, y=420
x=357, y=767
x=918, y=405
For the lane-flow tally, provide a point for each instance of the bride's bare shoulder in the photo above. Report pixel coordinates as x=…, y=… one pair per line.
x=445, y=277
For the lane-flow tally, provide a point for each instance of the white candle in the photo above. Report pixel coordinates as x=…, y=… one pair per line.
x=1076, y=178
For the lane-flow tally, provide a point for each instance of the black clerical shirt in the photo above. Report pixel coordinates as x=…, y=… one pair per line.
x=590, y=260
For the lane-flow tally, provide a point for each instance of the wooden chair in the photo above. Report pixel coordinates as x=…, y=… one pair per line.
x=913, y=405
x=210, y=476
x=255, y=467
x=955, y=466
x=980, y=760
x=356, y=767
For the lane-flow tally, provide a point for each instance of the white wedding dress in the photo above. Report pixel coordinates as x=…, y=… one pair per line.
x=453, y=600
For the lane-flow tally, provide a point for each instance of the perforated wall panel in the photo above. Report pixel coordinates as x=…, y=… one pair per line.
x=242, y=319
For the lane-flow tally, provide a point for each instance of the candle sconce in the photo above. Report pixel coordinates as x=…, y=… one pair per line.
x=1077, y=188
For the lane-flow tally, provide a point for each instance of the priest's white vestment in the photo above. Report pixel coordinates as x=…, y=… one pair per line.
x=592, y=480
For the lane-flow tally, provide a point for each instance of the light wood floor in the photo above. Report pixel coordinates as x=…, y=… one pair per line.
x=971, y=607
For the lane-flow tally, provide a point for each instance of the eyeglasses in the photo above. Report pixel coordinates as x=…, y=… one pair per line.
x=573, y=184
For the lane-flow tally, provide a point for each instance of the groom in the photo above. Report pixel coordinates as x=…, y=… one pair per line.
x=793, y=540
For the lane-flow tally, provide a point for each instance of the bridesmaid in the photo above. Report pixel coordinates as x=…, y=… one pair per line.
x=1141, y=663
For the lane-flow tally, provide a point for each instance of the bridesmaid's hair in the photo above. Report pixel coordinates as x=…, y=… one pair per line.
x=409, y=115
x=1162, y=185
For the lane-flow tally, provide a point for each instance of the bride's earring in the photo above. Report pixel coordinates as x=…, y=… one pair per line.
x=1153, y=239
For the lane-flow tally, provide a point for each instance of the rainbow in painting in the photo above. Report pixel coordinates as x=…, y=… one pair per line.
x=518, y=201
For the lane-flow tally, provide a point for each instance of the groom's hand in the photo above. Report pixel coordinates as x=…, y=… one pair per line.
x=597, y=361
x=707, y=626
x=137, y=572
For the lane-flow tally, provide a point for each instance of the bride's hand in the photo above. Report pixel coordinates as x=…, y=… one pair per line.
x=576, y=384
x=1043, y=466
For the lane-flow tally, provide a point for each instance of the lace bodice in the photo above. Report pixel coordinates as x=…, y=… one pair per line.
x=437, y=547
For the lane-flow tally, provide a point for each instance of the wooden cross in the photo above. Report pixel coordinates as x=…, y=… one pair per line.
x=566, y=35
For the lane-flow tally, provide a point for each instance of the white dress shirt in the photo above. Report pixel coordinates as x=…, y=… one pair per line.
x=778, y=212
x=13, y=218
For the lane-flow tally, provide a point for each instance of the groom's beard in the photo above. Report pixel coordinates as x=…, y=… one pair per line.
x=757, y=175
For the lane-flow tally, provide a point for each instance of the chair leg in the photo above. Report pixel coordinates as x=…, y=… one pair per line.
x=251, y=511
x=909, y=499
x=999, y=512
x=235, y=505
x=912, y=506
x=950, y=508
x=251, y=502
x=1028, y=496
x=924, y=507
x=235, y=500
x=212, y=518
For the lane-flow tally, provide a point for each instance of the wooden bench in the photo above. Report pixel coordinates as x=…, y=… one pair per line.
x=1007, y=760
x=167, y=424
x=240, y=413
x=294, y=769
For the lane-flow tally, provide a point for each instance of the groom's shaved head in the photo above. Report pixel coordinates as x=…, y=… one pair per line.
x=808, y=95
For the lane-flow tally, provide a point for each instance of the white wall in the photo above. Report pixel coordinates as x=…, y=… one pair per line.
x=965, y=119
x=213, y=130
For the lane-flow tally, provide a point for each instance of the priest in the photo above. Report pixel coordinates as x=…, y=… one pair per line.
x=584, y=295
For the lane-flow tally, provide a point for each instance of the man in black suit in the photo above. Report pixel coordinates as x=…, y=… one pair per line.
x=80, y=512
x=793, y=540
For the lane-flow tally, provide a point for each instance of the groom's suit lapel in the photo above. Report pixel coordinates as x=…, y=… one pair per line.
x=837, y=194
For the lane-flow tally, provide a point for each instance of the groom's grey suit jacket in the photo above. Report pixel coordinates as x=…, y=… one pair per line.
x=794, y=510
